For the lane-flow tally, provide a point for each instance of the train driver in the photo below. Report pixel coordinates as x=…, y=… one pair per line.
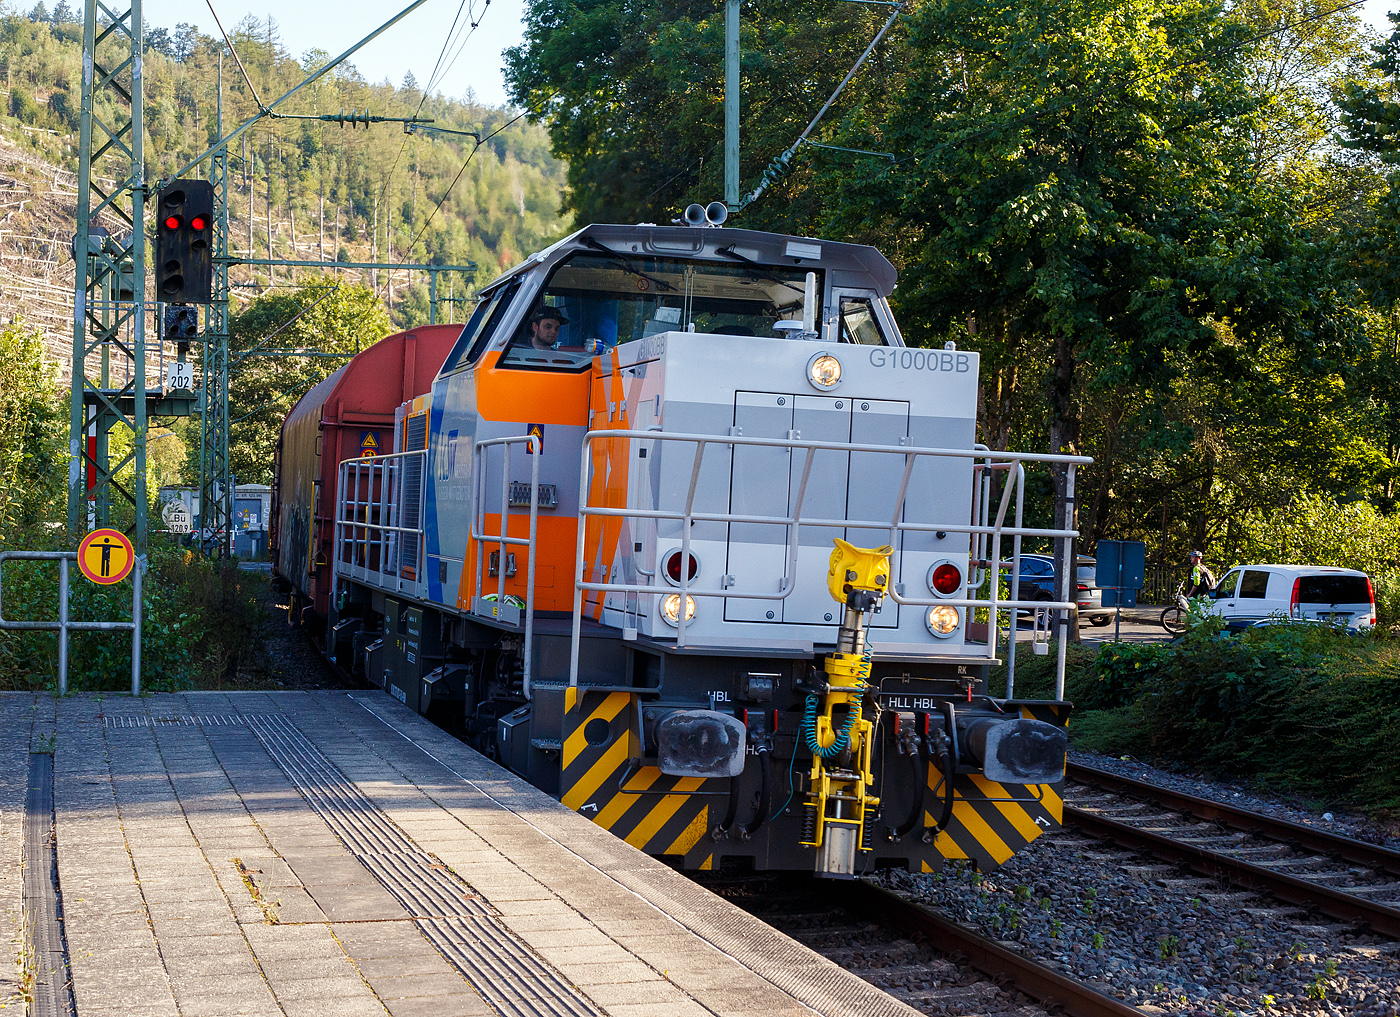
x=544, y=328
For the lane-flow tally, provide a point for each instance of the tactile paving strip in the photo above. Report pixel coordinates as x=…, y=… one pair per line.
x=450, y=914
x=117, y=720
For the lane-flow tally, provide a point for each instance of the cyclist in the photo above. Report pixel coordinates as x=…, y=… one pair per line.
x=1200, y=582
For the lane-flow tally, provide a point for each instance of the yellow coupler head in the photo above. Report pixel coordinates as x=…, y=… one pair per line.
x=857, y=568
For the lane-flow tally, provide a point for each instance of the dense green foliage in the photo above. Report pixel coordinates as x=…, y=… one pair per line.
x=199, y=620
x=1304, y=709
x=323, y=317
x=33, y=428
x=1137, y=213
x=370, y=193
x=1299, y=706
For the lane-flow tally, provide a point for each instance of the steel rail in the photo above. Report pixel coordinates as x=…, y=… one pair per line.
x=1290, y=889
x=1296, y=834
x=1045, y=985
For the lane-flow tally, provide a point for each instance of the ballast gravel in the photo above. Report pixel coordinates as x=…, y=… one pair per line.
x=1161, y=939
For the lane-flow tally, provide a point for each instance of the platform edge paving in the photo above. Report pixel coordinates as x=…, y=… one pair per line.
x=778, y=960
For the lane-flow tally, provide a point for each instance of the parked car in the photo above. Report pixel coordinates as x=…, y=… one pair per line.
x=1089, y=595
x=1253, y=593
x=1038, y=583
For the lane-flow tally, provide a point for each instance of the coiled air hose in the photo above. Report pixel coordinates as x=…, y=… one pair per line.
x=843, y=737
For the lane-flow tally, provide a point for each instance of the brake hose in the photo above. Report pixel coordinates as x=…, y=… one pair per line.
x=765, y=795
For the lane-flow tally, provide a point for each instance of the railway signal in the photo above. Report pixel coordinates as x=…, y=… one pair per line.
x=181, y=323
x=184, y=237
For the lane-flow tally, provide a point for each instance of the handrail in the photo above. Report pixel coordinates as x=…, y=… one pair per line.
x=384, y=535
x=1013, y=462
x=476, y=532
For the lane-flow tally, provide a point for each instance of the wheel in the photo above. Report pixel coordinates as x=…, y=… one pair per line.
x=1174, y=620
x=1102, y=619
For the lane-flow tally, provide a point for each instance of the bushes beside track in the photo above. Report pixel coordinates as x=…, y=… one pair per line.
x=199, y=620
x=1303, y=709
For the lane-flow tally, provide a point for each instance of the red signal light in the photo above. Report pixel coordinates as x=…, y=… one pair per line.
x=199, y=222
x=173, y=222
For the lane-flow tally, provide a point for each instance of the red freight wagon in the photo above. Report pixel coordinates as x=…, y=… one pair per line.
x=349, y=414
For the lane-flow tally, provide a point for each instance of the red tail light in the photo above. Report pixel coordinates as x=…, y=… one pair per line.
x=1293, y=603
x=673, y=567
x=1371, y=594
x=946, y=579
x=1083, y=587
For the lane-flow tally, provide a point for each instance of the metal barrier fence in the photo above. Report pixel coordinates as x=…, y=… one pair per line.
x=65, y=625
x=988, y=531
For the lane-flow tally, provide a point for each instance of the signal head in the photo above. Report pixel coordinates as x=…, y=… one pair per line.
x=199, y=222
x=173, y=222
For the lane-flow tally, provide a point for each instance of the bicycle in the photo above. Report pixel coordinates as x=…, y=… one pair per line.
x=1174, y=617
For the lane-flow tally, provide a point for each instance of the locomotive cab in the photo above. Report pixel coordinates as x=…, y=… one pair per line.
x=606, y=549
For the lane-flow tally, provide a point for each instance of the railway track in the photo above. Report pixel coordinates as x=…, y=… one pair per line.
x=1345, y=879
x=912, y=953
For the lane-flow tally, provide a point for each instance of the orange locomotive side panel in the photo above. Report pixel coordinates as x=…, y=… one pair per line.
x=512, y=396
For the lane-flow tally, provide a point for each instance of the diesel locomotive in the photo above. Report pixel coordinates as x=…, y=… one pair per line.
x=678, y=528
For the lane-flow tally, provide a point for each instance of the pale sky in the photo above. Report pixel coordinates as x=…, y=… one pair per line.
x=411, y=45
x=414, y=43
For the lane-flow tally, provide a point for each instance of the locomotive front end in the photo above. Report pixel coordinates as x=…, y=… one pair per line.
x=733, y=479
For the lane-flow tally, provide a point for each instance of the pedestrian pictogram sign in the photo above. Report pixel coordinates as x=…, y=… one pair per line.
x=369, y=443
x=106, y=556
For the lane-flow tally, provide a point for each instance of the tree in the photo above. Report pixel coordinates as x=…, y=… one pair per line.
x=262, y=389
x=633, y=97
x=32, y=469
x=39, y=14
x=159, y=40
x=1067, y=191
x=62, y=14
x=185, y=41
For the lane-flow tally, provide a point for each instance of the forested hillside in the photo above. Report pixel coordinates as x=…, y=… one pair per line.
x=300, y=189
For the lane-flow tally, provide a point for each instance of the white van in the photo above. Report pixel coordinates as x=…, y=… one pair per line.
x=1249, y=593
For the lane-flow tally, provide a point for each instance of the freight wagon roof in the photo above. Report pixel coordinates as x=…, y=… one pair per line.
x=372, y=384
x=690, y=241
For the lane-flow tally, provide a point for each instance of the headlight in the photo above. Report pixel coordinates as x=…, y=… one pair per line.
x=824, y=371
x=671, y=609
x=942, y=620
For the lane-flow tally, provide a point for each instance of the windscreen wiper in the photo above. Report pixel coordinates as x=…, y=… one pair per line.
x=621, y=259
x=731, y=253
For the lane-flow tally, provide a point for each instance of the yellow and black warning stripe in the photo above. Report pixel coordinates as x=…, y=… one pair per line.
x=993, y=821
x=601, y=779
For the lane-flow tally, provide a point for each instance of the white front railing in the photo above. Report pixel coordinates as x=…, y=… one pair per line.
x=988, y=532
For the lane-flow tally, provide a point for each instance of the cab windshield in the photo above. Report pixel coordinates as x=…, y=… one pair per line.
x=594, y=301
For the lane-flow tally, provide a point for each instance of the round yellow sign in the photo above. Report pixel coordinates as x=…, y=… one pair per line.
x=106, y=556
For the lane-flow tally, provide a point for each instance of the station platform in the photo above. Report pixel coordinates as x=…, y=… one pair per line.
x=332, y=853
